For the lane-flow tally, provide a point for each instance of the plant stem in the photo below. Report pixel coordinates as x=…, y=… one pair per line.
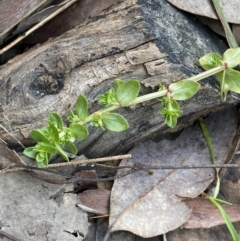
x=228, y=32
x=138, y=100
x=226, y=218
x=207, y=73
x=208, y=139
x=149, y=97
x=155, y=95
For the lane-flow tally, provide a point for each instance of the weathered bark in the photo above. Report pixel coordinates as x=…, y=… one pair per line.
x=148, y=40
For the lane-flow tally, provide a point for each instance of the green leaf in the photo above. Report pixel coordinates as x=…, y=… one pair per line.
x=71, y=147
x=97, y=120
x=53, y=131
x=62, y=152
x=232, y=57
x=114, y=122
x=39, y=136
x=79, y=131
x=226, y=218
x=171, y=112
x=232, y=79
x=56, y=119
x=81, y=107
x=210, y=61
x=107, y=98
x=184, y=89
x=118, y=82
x=29, y=152
x=41, y=164
x=127, y=92
x=40, y=157
x=66, y=135
x=43, y=147
x=72, y=117
x=171, y=120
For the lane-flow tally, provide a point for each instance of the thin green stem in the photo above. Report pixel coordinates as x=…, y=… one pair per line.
x=138, y=100
x=207, y=73
x=107, y=109
x=228, y=32
x=150, y=96
x=226, y=218
x=207, y=139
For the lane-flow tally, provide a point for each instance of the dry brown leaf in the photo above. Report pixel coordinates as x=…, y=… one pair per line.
x=79, y=13
x=95, y=201
x=231, y=8
x=25, y=24
x=149, y=205
x=12, y=12
x=230, y=190
x=219, y=233
x=206, y=215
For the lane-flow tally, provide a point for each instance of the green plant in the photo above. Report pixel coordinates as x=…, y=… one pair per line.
x=58, y=138
x=216, y=201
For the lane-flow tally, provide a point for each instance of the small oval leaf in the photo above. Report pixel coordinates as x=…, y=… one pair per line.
x=43, y=147
x=114, y=122
x=79, y=131
x=171, y=121
x=53, y=132
x=56, y=119
x=184, y=89
x=29, y=152
x=71, y=147
x=232, y=57
x=127, y=92
x=232, y=79
x=210, y=61
x=81, y=107
x=62, y=152
x=38, y=135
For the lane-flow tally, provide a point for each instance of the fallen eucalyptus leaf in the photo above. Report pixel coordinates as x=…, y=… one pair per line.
x=140, y=198
x=205, y=8
x=95, y=201
x=205, y=215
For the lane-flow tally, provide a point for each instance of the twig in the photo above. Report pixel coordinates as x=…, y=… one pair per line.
x=17, y=40
x=80, y=162
x=100, y=216
x=105, y=179
x=147, y=168
x=193, y=166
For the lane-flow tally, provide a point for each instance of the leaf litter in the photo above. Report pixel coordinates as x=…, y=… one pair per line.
x=150, y=204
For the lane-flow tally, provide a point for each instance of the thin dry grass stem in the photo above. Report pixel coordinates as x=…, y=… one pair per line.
x=86, y=161
x=100, y=216
x=11, y=136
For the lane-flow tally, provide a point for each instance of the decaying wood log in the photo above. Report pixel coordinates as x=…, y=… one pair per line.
x=147, y=40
